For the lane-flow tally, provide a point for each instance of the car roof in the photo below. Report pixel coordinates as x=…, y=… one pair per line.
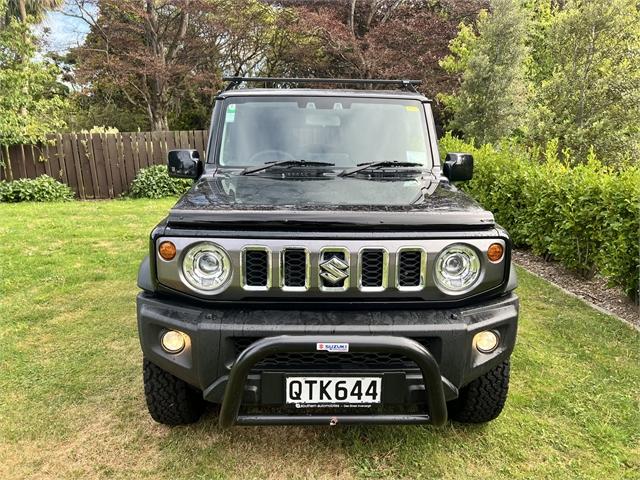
x=322, y=92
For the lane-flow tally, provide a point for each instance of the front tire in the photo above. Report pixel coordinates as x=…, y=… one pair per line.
x=483, y=399
x=170, y=401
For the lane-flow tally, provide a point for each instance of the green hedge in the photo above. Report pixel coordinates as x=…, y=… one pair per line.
x=41, y=189
x=155, y=182
x=586, y=216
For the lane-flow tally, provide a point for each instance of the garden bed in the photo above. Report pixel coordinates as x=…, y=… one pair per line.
x=594, y=291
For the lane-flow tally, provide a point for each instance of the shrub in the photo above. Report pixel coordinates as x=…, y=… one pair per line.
x=587, y=217
x=41, y=189
x=155, y=182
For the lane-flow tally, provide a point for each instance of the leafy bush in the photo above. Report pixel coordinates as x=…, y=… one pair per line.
x=41, y=189
x=155, y=182
x=587, y=216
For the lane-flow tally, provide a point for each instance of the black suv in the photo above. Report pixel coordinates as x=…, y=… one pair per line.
x=324, y=268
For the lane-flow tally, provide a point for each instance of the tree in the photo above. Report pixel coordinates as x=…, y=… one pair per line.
x=23, y=10
x=588, y=96
x=378, y=38
x=492, y=100
x=156, y=54
x=32, y=102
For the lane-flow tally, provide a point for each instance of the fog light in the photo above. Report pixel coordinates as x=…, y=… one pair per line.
x=486, y=342
x=173, y=341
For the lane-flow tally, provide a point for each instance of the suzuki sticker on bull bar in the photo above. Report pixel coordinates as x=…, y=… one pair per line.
x=333, y=347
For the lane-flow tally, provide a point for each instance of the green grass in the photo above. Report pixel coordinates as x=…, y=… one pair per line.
x=71, y=402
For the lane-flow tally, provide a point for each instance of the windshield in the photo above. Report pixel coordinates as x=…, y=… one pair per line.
x=338, y=130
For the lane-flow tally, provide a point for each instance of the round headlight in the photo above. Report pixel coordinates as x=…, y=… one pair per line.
x=206, y=267
x=457, y=269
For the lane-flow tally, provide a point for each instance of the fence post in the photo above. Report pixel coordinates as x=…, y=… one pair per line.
x=5, y=158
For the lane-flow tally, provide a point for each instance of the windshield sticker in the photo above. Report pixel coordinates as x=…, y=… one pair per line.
x=230, y=117
x=411, y=108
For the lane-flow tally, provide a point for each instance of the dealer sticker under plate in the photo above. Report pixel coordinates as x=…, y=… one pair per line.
x=333, y=347
x=333, y=390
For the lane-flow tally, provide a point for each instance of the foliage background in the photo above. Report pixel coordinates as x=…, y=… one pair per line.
x=41, y=189
x=586, y=215
x=539, y=71
x=32, y=101
x=155, y=182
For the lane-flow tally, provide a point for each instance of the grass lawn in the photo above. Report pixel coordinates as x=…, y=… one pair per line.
x=72, y=406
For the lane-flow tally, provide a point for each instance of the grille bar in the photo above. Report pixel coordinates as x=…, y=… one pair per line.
x=256, y=268
x=411, y=269
x=373, y=269
x=295, y=268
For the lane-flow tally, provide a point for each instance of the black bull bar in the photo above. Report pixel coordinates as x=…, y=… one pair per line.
x=435, y=399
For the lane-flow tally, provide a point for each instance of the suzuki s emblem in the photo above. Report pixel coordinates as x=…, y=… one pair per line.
x=334, y=270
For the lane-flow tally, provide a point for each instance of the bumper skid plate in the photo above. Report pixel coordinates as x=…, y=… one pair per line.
x=433, y=381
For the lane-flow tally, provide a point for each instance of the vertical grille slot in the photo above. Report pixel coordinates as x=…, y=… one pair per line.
x=411, y=269
x=256, y=269
x=373, y=268
x=295, y=268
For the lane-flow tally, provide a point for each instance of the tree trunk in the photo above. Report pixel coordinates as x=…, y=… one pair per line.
x=164, y=51
x=22, y=7
x=23, y=10
x=352, y=17
x=158, y=118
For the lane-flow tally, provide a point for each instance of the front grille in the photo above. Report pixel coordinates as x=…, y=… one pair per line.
x=322, y=360
x=256, y=268
x=333, y=271
x=372, y=265
x=295, y=268
x=410, y=268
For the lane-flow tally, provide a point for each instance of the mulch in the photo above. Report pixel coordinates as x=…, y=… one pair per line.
x=594, y=291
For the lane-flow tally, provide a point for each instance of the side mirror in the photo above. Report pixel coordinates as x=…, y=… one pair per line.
x=185, y=164
x=458, y=167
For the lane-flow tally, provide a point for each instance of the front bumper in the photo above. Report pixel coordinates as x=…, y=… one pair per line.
x=229, y=351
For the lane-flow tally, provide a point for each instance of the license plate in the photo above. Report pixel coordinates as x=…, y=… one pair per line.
x=318, y=390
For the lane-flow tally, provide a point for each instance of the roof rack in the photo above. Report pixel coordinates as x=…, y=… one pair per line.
x=405, y=84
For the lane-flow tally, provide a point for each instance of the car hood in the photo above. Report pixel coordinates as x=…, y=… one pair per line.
x=261, y=198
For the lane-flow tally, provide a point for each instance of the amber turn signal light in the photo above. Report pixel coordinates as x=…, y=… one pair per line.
x=495, y=252
x=167, y=250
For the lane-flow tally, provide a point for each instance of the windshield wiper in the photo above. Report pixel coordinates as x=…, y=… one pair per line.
x=285, y=163
x=373, y=165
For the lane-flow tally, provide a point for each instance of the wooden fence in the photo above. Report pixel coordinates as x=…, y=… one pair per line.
x=98, y=165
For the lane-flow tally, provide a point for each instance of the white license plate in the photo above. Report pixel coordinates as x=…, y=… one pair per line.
x=317, y=390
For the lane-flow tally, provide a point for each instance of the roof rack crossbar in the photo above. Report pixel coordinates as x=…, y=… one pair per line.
x=235, y=81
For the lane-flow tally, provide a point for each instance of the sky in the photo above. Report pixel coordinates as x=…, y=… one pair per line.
x=61, y=31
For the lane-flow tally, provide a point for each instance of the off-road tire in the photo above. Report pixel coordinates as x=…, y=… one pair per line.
x=170, y=400
x=482, y=400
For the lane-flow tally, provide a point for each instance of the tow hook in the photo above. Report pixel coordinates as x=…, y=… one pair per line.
x=333, y=421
